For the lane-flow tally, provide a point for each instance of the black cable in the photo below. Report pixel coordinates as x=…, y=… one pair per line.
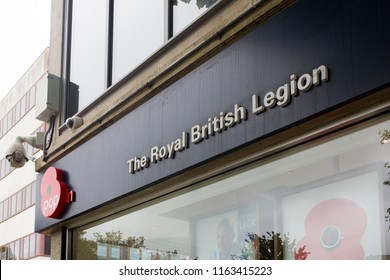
x=51, y=131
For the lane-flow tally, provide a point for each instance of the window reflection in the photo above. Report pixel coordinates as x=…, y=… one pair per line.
x=88, y=50
x=138, y=32
x=32, y=245
x=17, y=250
x=186, y=11
x=26, y=246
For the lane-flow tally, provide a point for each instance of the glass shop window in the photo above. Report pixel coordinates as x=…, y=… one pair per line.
x=328, y=201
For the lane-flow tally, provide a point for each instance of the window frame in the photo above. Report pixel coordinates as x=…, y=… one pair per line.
x=67, y=52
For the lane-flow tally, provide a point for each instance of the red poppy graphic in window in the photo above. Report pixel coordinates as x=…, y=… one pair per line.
x=333, y=230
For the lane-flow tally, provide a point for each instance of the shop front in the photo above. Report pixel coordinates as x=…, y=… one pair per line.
x=268, y=150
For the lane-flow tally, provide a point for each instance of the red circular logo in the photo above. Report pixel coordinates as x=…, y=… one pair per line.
x=54, y=192
x=334, y=228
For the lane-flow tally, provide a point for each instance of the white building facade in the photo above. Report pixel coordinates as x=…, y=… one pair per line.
x=18, y=239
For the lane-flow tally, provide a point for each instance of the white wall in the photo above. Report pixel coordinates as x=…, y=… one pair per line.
x=21, y=224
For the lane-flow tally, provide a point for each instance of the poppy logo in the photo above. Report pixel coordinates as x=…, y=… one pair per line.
x=334, y=228
x=55, y=193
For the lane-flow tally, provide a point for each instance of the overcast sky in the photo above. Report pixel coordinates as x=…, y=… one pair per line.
x=24, y=35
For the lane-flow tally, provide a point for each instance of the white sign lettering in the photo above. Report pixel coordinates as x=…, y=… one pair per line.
x=281, y=97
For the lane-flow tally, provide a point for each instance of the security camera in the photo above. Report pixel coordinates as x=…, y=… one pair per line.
x=74, y=122
x=16, y=153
